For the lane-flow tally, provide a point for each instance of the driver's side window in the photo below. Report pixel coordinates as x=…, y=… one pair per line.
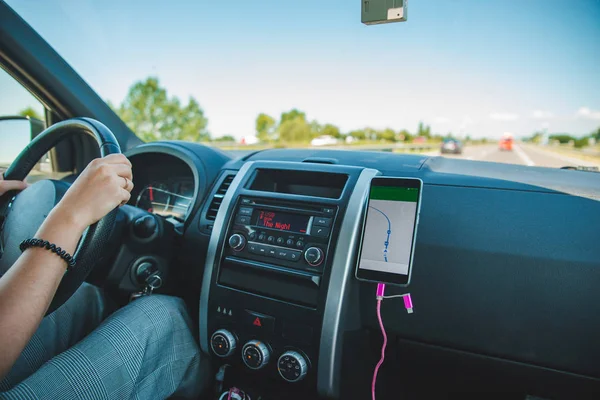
x=22, y=117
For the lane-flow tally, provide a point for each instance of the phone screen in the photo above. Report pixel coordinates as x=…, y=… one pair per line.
x=389, y=230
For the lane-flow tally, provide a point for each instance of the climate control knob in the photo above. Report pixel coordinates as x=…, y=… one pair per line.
x=314, y=256
x=255, y=354
x=237, y=242
x=292, y=366
x=223, y=343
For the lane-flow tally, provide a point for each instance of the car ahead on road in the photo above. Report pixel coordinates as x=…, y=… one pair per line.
x=325, y=140
x=506, y=143
x=451, y=146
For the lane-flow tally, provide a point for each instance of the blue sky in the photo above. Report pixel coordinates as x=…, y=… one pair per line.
x=480, y=67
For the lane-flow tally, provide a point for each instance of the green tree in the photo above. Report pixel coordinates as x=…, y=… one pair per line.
x=265, y=125
x=226, y=138
x=387, y=134
x=316, y=129
x=30, y=112
x=292, y=115
x=152, y=115
x=294, y=130
x=405, y=135
x=424, y=130
x=358, y=134
x=331, y=130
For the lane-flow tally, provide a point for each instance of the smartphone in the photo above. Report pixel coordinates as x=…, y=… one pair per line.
x=389, y=231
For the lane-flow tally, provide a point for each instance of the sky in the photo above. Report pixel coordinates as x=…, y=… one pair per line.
x=476, y=67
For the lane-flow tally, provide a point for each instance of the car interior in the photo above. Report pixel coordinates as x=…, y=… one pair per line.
x=504, y=280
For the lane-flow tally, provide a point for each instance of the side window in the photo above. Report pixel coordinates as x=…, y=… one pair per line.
x=22, y=117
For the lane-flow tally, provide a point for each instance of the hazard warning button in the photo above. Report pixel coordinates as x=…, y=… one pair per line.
x=258, y=321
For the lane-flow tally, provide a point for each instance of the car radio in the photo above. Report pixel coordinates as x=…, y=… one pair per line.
x=293, y=235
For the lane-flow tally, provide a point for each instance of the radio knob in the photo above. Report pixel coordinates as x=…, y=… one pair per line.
x=313, y=256
x=255, y=354
x=223, y=343
x=292, y=366
x=237, y=242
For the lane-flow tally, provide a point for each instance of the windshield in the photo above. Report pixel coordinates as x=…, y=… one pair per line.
x=250, y=75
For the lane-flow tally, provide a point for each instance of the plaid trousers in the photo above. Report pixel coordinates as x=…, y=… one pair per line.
x=144, y=350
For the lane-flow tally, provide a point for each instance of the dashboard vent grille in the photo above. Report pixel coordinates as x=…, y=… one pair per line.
x=213, y=208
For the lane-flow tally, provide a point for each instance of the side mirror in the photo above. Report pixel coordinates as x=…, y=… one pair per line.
x=15, y=134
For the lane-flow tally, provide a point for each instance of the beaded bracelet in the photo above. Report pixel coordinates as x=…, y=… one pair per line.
x=33, y=242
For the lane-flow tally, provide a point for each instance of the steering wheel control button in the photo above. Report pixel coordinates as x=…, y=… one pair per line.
x=259, y=322
x=292, y=366
x=322, y=221
x=319, y=231
x=313, y=256
x=223, y=343
x=255, y=354
x=237, y=242
x=245, y=211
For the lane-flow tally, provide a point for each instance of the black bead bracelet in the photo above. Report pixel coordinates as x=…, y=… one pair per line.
x=33, y=242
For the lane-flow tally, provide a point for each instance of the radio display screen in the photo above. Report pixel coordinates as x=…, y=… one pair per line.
x=282, y=221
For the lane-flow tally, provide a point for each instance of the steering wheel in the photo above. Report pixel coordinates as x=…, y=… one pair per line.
x=24, y=212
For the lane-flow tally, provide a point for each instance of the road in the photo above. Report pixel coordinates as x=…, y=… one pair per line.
x=521, y=154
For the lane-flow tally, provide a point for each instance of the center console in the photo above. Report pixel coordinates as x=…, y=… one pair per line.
x=277, y=272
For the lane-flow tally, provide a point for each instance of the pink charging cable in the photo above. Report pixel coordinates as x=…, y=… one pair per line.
x=409, y=308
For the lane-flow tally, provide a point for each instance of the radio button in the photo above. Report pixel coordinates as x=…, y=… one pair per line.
x=263, y=250
x=262, y=237
x=237, y=242
x=329, y=210
x=271, y=239
x=322, y=221
x=290, y=242
x=288, y=255
x=271, y=252
x=245, y=211
x=253, y=248
x=242, y=220
x=319, y=231
x=294, y=255
x=252, y=235
x=314, y=256
x=300, y=244
x=280, y=240
x=246, y=201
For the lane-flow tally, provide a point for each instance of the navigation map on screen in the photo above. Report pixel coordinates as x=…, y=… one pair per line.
x=389, y=229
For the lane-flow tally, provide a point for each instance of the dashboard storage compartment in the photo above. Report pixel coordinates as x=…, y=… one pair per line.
x=296, y=287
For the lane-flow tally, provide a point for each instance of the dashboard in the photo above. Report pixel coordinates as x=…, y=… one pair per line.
x=504, y=282
x=164, y=185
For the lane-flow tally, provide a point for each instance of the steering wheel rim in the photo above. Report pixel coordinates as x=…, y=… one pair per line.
x=90, y=249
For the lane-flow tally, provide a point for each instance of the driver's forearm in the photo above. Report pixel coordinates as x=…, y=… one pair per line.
x=28, y=287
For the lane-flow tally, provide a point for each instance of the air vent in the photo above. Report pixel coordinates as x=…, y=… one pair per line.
x=213, y=208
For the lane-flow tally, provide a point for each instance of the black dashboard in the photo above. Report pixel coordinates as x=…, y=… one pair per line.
x=504, y=283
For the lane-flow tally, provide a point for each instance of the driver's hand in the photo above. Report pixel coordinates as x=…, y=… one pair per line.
x=103, y=185
x=7, y=186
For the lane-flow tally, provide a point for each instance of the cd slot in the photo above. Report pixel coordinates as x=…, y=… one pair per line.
x=270, y=281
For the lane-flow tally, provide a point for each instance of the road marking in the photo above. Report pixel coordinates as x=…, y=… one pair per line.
x=524, y=157
x=567, y=159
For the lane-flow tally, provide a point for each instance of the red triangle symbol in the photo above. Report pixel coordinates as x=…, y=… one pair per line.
x=257, y=322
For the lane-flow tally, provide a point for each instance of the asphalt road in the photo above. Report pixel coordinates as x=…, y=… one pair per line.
x=521, y=154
